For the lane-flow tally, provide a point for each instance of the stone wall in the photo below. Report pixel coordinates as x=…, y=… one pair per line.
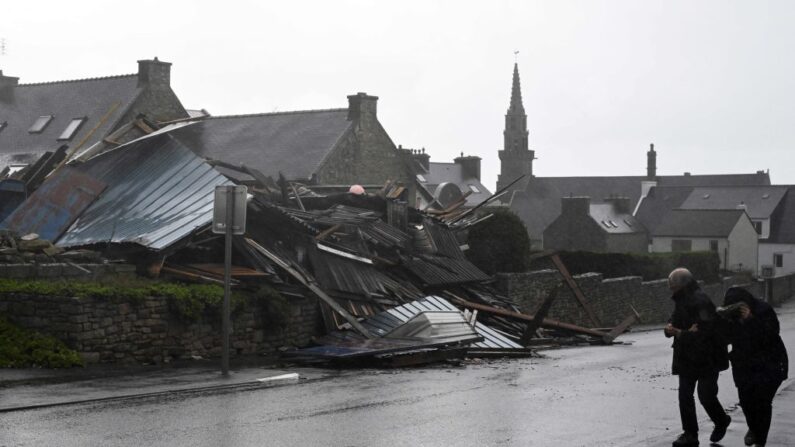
x=610, y=298
x=148, y=332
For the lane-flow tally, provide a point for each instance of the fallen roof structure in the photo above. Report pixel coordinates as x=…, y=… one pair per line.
x=391, y=281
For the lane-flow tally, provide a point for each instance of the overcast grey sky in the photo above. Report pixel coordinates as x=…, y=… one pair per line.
x=711, y=83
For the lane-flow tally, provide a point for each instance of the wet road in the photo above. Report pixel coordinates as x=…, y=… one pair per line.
x=594, y=396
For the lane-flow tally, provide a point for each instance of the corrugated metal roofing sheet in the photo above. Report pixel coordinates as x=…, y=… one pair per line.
x=387, y=321
x=55, y=205
x=158, y=192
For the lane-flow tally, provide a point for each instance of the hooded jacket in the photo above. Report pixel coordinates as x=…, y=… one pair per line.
x=702, y=351
x=758, y=354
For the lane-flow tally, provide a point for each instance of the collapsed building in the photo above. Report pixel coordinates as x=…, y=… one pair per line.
x=392, y=282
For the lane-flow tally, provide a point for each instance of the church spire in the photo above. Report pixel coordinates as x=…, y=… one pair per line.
x=516, y=107
x=516, y=158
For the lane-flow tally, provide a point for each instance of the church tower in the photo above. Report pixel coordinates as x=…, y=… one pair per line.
x=515, y=157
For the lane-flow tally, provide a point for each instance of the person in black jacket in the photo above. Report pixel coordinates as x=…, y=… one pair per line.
x=699, y=355
x=758, y=357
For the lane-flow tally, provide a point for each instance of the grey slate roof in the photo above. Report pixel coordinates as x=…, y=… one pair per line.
x=439, y=173
x=158, y=193
x=699, y=223
x=102, y=101
x=759, y=201
x=612, y=222
x=539, y=204
x=659, y=202
x=782, y=222
x=295, y=143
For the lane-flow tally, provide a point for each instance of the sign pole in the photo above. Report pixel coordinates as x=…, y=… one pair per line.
x=230, y=212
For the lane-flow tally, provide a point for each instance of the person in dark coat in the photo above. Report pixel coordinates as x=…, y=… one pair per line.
x=700, y=354
x=758, y=357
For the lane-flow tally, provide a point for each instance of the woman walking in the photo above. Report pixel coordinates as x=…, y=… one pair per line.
x=758, y=358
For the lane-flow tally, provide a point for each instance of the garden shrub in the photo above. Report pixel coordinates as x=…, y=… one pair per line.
x=499, y=244
x=25, y=348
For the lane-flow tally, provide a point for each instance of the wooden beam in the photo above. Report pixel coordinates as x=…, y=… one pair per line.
x=576, y=289
x=547, y=323
x=539, y=317
x=309, y=283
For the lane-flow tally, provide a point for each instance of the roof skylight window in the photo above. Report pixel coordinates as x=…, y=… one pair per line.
x=40, y=124
x=421, y=178
x=71, y=129
x=764, y=196
x=706, y=196
x=474, y=189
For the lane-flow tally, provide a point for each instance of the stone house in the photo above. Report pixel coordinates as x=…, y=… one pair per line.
x=42, y=117
x=440, y=184
x=596, y=227
x=729, y=233
x=329, y=149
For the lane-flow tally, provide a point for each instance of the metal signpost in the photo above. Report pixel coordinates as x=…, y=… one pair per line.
x=229, y=218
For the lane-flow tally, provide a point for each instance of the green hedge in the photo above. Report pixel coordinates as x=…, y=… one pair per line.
x=704, y=265
x=499, y=244
x=23, y=348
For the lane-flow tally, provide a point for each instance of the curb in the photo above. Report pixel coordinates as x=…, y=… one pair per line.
x=267, y=382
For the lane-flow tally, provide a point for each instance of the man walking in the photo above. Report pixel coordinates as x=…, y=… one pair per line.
x=699, y=356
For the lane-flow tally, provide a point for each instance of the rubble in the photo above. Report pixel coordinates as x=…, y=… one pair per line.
x=392, y=282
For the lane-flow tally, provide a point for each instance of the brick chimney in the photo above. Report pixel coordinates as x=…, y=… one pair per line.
x=154, y=73
x=651, y=163
x=7, y=84
x=621, y=205
x=362, y=106
x=575, y=206
x=470, y=165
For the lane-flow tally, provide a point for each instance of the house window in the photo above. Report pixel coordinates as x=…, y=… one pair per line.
x=681, y=245
x=71, y=129
x=474, y=189
x=40, y=124
x=758, y=227
x=778, y=260
x=713, y=245
x=3, y=125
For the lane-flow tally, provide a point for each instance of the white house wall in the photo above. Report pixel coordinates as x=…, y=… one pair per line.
x=743, y=247
x=766, y=252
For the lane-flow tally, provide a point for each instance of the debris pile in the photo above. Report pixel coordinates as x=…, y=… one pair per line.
x=392, y=282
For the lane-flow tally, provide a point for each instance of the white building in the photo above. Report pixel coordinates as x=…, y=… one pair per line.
x=730, y=233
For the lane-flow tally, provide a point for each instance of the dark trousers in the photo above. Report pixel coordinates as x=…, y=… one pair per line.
x=756, y=400
x=707, y=395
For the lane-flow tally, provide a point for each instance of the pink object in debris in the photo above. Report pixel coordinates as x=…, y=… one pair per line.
x=356, y=189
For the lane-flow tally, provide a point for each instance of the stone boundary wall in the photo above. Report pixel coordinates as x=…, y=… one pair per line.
x=611, y=298
x=105, y=331
x=64, y=270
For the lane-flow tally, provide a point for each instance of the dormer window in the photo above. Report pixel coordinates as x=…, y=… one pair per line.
x=71, y=129
x=40, y=124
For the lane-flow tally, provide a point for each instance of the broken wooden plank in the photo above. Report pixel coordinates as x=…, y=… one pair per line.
x=618, y=330
x=539, y=317
x=575, y=289
x=309, y=283
x=547, y=323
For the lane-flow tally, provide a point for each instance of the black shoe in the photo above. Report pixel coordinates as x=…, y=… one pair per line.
x=749, y=438
x=720, y=430
x=686, y=439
